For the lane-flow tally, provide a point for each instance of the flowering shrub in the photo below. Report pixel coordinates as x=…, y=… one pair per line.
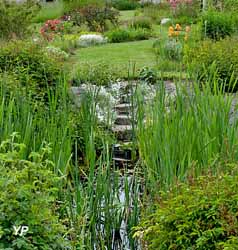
x=51, y=28
x=177, y=32
x=57, y=52
x=91, y=40
x=175, y=3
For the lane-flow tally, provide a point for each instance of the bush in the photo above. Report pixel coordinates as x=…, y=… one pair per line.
x=35, y=70
x=28, y=198
x=141, y=23
x=16, y=17
x=217, y=25
x=148, y=75
x=95, y=17
x=125, y=4
x=125, y=35
x=200, y=215
x=217, y=60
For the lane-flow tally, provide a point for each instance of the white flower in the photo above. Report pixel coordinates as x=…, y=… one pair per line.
x=91, y=40
x=57, y=52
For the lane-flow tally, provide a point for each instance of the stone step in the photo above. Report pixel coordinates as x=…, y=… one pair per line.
x=121, y=163
x=123, y=108
x=123, y=132
x=121, y=152
x=123, y=120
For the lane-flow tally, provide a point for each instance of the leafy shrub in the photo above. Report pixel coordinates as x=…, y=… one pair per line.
x=125, y=35
x=28, y=197
x=118, y=36
x=35, y=70
x=199, y=215
x=67, y=42
x=217, y=60
x=217, y=25
x=125, y=4
x=141, y=23
x=148, y=75
x=16, y=17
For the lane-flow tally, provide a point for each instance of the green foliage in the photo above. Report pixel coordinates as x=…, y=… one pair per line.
x=28, y=197
x=33, y=67
x=217, y=25
x=141, y=23
x=124, y=35
x=171, y=49
x=230, y=5
x=217, y=60
x=16, y=17
x=49, y=11
x=70, y=5
x=125, y=4
x=156, y=12
x=187, y=12
x=199, y=215
x=148, y=75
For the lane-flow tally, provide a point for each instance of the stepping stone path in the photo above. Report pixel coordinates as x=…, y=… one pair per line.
x=122, y=126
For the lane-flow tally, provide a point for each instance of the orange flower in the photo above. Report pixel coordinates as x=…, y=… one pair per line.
x=176, y=33
x=178, y=27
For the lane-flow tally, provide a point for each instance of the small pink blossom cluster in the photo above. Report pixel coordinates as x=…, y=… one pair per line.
x=51, y=28
x=175, y=3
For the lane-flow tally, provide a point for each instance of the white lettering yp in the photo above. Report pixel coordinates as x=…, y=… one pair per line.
x=24, y=230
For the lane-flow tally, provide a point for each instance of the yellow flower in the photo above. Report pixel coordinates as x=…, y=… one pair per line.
x=187, y=29
x=176, y=33
x=171, y=31
x=186, y=37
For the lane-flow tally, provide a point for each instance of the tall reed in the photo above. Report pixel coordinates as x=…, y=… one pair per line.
x=185, y=135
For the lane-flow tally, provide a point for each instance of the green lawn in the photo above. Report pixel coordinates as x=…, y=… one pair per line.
x=122, y=56
x=126, y=15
